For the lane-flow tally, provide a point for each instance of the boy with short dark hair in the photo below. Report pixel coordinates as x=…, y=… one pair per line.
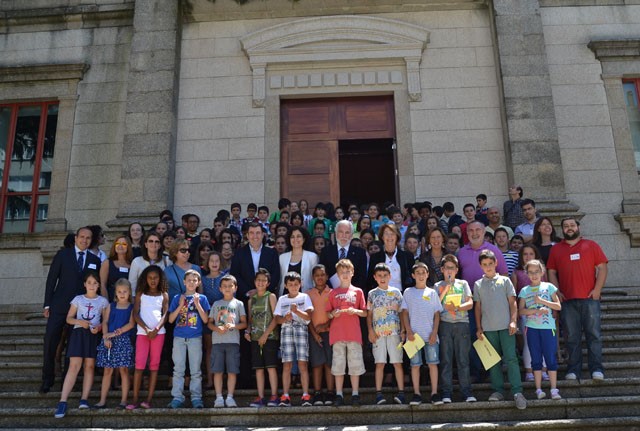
x=320, y=353
x=496, y=314
x=226, y=319
x=293, y=313
x=385, y=329
x=252, y=209
x=263, y=217
x=421, y=315
x=236, y=221
x=345, y=307
x=481, y=200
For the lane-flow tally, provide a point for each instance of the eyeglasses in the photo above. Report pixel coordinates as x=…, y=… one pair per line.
x=124, y=244
x=183, y=250
x=153, y=241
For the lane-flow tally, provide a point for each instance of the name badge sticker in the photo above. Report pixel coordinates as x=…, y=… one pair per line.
x=92, y=266
x=123, y=269
x=575, y=256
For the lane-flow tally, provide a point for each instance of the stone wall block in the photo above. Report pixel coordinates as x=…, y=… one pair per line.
x=153, y=40
x=156, y=101
x=527, y=86
x=148, y=166
x=152, y=60
x=539, y=107
x=144, y=82
x=136, y=123
x=534, y=152
x=144, y=144
x=528, y=130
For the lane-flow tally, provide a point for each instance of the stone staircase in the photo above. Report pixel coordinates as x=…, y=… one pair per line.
x=613, y=404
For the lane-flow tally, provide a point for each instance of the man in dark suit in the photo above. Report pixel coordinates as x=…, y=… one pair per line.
x=244, y=265
x=64, y=282
x=331, y=254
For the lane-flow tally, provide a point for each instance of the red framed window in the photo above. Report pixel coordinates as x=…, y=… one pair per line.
x=631, y=95
x=27, y=141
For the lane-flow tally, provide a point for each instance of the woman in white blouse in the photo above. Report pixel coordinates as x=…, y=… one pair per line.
x=298, y=259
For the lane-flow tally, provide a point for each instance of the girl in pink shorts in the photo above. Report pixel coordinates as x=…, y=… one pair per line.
x=150, y=313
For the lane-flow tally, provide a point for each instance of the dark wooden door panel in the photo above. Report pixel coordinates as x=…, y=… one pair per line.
x=310, y=130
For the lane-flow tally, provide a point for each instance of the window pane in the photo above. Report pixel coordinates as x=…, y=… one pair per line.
x=633, y=112
x=42, y=211
x=49, y=143
x=5, y=118
x=17, y=214
x=24, y=149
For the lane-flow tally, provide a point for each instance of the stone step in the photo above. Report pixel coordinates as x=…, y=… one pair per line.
x=566, y=409
x=621, y=423
x=569, y=389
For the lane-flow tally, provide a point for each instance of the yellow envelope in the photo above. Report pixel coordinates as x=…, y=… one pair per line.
x=456, y=298
x=413, y=347
x=487, y=353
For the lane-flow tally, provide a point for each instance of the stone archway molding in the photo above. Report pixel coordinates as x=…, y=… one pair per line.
x=333, y=39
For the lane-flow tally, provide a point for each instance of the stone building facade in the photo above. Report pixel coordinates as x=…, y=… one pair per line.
x=178, y=104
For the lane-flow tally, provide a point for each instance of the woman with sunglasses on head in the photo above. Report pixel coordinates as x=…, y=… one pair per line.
x=116, y=266
x=151, y=255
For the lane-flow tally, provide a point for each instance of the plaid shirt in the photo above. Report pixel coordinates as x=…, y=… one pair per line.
x=512, y=211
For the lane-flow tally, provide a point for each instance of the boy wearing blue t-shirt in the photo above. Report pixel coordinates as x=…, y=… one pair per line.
x=421, y=309
x=189, y=312
x=536, y=303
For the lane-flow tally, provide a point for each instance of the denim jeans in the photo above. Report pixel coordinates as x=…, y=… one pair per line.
x=580, y=315
x=505, y=345
x=182, y=346
x=454, y=338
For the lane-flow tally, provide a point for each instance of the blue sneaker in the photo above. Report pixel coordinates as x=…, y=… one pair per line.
x=84, y=404
x=197, y=404
x=380, y=399
x=61, y=410
x=175, y=404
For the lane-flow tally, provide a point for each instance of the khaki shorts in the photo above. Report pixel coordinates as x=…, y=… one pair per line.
x=387, y=346
x=347, y=353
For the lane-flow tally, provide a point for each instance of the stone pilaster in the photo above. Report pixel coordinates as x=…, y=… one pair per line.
x=532, y=135
x=151, y=115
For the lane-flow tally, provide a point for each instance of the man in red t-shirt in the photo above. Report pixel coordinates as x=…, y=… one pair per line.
x=578, y=267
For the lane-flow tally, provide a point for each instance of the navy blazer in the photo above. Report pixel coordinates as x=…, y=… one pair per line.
x=64, y=281
x=242, y=269
x=406, y=262
x=357, y=256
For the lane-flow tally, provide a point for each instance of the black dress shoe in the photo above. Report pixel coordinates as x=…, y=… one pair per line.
x=44, y=389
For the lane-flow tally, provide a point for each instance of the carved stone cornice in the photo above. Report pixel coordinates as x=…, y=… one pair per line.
x=56, y=18
x=630, y=223
x=612, y=50
x=46, y=72
x=321, y=41
x=47, y=242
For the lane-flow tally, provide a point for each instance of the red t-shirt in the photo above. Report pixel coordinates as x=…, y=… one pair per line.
x=576, y=267
x=346, y=327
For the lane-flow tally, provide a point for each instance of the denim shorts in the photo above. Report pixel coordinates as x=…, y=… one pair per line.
x=431, y=353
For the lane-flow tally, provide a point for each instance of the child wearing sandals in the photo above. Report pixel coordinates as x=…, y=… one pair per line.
x=115, y=350
x=536, y=303
x=85, y=314
x=150, y=313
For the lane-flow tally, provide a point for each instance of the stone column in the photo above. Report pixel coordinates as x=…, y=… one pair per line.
x=532, y=135
x=148, y=156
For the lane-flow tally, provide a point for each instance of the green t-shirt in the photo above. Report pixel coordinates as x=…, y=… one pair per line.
x=261, y=316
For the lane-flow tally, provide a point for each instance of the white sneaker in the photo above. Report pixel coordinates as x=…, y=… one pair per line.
x=446, y=400
x=219, y=403
x=471, y=399
x=521, y=401
x=230, y=402
x=540, y=394
x=555, y=394
x=570, y=376
x=496, y=396
x=597, y=375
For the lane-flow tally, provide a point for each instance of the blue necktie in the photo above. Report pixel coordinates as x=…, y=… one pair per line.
x=343, y=253
x=80, y=260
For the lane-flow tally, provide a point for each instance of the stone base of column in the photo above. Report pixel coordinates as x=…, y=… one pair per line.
x=557, y=209
x=630, y=224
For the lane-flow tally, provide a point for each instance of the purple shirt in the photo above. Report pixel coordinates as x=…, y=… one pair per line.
x=470, y=268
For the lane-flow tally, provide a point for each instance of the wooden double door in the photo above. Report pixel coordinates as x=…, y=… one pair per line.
x=320, y=138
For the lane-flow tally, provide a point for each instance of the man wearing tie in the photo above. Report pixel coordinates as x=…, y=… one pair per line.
x=64, y=282
x=331, y=254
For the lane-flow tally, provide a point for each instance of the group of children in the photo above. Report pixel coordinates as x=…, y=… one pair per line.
x=322, y=327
